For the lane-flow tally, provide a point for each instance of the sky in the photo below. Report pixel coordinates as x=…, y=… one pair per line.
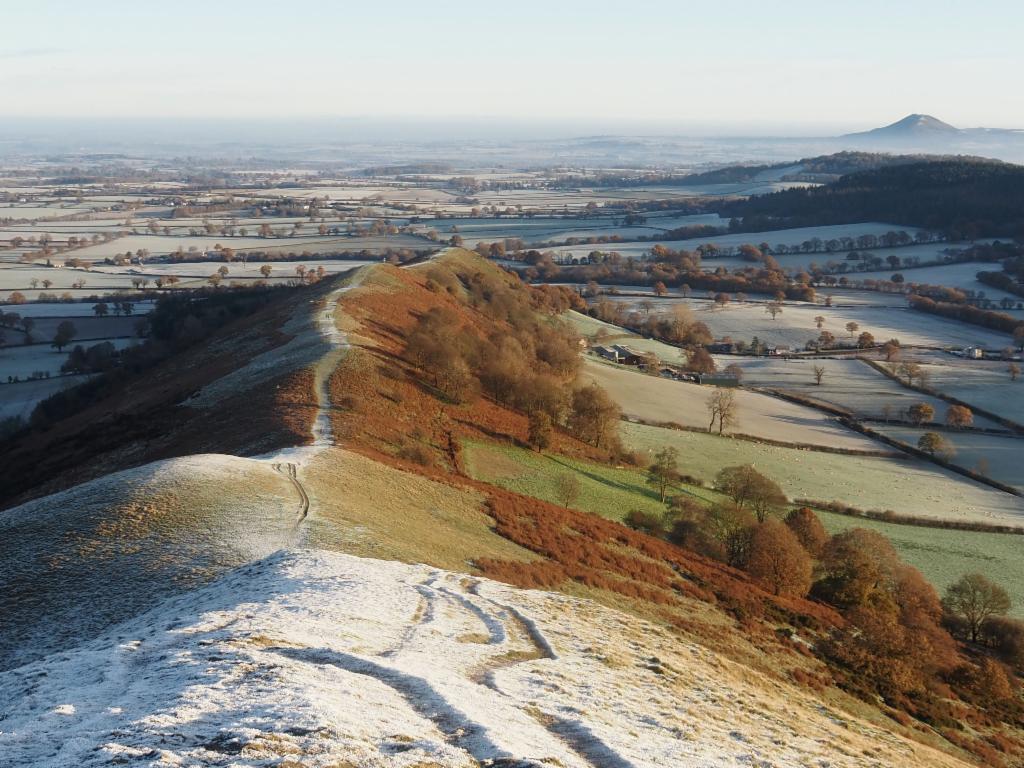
x=738, y=65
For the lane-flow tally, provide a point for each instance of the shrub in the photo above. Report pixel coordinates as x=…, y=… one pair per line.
x=645, y=522
x=417, y=454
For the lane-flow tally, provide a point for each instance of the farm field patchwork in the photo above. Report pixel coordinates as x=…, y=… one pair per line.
x=787, y=237
x=22, y=362
x=960, y=275
x=18, y=400
x=905, y=486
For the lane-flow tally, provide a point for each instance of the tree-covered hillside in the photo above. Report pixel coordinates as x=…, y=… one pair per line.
x=964, y=198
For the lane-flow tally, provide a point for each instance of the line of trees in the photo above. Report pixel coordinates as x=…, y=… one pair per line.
x=997, y=321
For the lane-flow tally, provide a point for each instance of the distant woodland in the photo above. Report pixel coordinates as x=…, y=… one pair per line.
x=962, y=198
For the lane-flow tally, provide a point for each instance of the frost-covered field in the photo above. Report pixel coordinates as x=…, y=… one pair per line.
x=787, y=237
x=796, y=325
x=985, y=384
x=849, y=384
x=161, y=245
x=24, y=361
x=236, y=269
x=325, y=659
x=962, y=276
x=995, y=456
x=829, y=262
x=906, y=486
x=18, y=400
x=551, y=229
x=105, y=279
x=36, y=212
x=63, y=309
x=656, y=399
x=19, y=277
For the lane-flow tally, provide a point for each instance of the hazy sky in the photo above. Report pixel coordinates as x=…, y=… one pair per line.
x=821, y=64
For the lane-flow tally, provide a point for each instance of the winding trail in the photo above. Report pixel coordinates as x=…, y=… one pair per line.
x=289, y=462
x=461, y=692
x=437, y=684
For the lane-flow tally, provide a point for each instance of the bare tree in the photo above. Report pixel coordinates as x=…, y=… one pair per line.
x=664, y=471
x=723, y=408
x=975, y=599
x=819, y=374
x=66, y=331
x=909, y=371
x=773, y=308
x=567, y=489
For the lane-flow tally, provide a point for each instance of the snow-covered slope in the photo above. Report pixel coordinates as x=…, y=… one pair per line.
x=323, y=659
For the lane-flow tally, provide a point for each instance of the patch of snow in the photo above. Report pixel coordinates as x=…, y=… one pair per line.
x=322, y=658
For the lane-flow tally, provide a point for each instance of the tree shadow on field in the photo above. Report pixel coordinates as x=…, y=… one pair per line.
x=616, y=484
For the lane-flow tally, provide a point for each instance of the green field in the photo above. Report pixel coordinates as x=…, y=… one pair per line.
x=607, y=491
x=944, y=555
x=588, y=326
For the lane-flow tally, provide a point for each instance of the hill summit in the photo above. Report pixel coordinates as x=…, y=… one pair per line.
x=911, y=126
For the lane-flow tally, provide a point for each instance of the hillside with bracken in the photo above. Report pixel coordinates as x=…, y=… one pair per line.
x=320, y=562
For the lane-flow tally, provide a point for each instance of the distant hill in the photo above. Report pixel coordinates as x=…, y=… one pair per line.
x=962, y=197
x=929, y=134
x=911, y=126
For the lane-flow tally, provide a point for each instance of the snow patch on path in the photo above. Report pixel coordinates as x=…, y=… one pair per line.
x=322, y=658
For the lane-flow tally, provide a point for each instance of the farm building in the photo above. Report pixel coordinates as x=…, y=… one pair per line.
x=608, y=353
x=629, y=356
x=718, y=379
